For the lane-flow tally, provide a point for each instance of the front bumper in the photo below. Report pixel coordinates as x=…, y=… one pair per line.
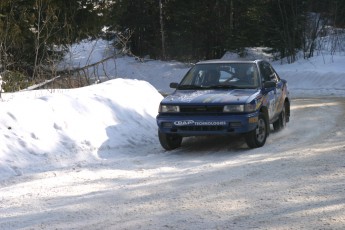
x=224, y=124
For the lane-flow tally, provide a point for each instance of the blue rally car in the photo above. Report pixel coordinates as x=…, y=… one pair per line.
x=224, y=98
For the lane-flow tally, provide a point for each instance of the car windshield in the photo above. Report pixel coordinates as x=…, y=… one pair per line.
x=221, y=75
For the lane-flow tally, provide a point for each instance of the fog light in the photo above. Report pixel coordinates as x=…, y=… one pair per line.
x=235, y=124
x=253, y=120
x=167, y=125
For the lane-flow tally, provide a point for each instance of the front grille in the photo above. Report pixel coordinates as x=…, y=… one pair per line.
x=201, y=109
x=201, y=128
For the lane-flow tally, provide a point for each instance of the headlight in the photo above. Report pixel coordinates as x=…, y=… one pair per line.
x=233, y=109
x=253, y=106
x=169, y=109
x=248, y=108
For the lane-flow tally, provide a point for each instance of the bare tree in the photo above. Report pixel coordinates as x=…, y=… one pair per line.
x=313, y=27
x=44, y=29
x=162, y=28
x=81, y=75
x=288, y=33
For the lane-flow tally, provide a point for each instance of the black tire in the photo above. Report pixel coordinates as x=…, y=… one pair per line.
x=281, y=122
x=169, y=141
x=257, y=137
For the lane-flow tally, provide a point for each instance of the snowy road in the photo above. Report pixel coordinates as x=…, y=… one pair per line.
x=295, y=181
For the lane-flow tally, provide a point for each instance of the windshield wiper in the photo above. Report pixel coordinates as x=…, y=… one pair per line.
x=190, y=87
x=209, y=87
x=225, y=87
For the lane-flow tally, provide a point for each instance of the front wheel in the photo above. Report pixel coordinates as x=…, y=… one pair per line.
x=257, y=137
x=169, y=141
x=281, y=122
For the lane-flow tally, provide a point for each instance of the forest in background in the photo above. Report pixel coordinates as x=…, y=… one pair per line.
x=34, y=34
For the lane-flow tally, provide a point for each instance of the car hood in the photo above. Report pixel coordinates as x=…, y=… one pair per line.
x=211, y=96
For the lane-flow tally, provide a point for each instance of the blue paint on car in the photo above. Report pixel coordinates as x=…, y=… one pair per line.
x=225, y=98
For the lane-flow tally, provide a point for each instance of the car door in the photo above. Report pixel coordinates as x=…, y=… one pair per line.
x=279, y=90
x=274, y=94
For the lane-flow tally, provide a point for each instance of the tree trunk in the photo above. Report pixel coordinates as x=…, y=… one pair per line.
x=162, y=29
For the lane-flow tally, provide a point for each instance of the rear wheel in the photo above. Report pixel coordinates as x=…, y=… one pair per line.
x=169, y=141
x=257, y=137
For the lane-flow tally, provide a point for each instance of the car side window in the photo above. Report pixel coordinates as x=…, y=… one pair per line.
x=267, y=72
x=275, y=77
x=264, y=72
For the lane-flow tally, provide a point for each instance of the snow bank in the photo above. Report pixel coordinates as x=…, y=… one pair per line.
x=62, y=128
x=318, y=76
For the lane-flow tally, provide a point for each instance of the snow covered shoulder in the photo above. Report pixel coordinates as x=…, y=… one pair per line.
x=44, y=129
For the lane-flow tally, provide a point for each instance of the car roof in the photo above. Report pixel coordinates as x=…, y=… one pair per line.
x=220, y=61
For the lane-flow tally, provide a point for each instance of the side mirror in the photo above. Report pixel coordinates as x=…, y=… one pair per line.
x=173, y=85
x=270, y=84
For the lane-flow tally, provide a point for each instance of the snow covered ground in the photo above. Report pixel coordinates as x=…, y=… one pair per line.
x=89, y=158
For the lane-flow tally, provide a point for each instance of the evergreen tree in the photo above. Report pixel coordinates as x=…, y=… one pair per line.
x=142, y=18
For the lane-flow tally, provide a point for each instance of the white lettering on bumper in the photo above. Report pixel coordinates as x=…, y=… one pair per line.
x=199, y=123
